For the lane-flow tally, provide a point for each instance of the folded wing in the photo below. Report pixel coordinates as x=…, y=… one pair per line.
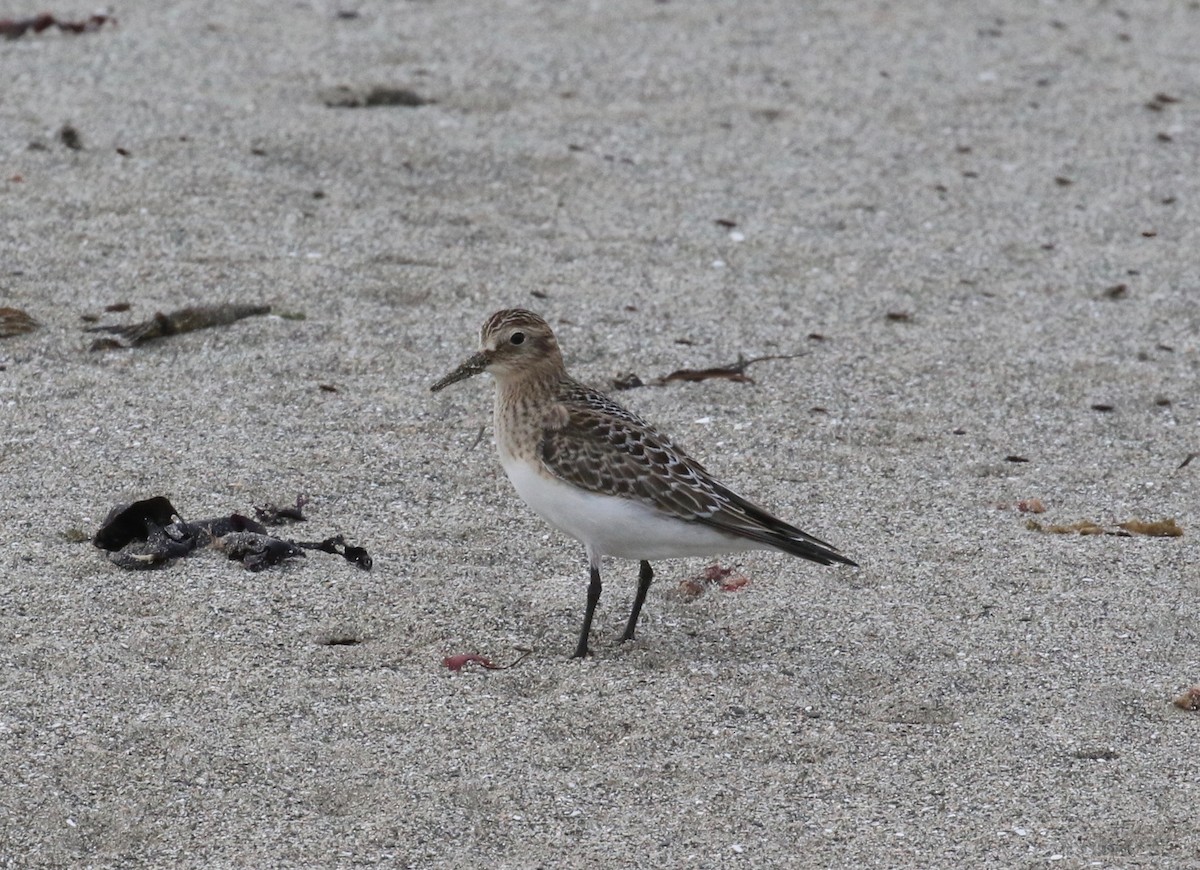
x=592, y=442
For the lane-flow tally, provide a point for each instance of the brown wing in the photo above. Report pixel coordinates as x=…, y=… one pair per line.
x=594, y=443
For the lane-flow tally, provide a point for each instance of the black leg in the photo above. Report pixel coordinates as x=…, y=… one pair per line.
x=582, y=650
x=644, y=578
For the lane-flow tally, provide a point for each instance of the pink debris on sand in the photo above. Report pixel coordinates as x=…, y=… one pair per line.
x=724, y=579
x=457, y=662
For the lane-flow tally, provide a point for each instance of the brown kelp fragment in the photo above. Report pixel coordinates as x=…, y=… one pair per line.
x=628, y=381
x=732, y=372
x=1164, y=528
x=14, y=28
x=1159, y=101
x=1083, y=527
x=176, y=322
x=14, y=321
x=347, y=97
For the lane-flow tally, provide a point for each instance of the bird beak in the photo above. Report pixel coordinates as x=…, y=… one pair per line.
x=469, y=368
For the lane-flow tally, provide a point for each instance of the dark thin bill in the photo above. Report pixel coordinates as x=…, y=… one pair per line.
x=469, y=368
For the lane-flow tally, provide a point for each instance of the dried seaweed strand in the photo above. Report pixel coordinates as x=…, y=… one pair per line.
x=176, y=322
x=735, y=372
x=15, y=28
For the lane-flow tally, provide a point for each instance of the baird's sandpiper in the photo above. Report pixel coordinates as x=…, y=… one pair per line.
x=604, y=475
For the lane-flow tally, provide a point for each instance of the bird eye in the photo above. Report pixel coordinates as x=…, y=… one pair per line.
x=517, y=338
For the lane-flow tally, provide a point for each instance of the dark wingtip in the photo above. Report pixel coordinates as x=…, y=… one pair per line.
x=821, y=555
x=805, y=546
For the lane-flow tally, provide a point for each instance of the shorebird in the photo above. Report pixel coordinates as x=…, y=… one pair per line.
x=603, y=475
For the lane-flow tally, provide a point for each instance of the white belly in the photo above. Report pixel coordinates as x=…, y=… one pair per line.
x=611, y=526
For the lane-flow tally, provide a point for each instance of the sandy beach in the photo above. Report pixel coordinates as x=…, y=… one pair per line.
x=966, y=234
